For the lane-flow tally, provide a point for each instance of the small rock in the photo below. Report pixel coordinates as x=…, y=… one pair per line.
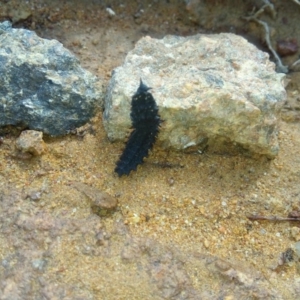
x=206, y=243
x=34, y=195
x=20, y=13
x=287, y=47
x=102, y=203
x=171, y=181
x=288, y=255
x=110, y=12
x=102, y=238
x=39, y=264
x=31, y=141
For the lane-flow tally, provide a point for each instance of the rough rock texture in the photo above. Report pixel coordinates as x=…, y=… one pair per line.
x=42, y=85
x=31, y=141
x=210, y=89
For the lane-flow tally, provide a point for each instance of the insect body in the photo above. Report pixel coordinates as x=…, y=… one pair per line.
x=145, y=123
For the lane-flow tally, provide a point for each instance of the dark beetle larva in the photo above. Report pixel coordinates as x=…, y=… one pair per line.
x=145, y=122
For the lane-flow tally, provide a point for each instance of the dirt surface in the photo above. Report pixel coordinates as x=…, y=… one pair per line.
x=181, y=229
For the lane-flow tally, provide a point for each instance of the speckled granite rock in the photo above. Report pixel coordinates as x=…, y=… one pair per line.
x=210, y=89
x=42, y=85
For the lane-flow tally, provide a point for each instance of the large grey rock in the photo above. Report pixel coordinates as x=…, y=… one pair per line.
x=42, y=85
x=214, y=88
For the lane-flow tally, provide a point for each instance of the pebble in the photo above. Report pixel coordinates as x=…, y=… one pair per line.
x=206, y=244
x=110, y=12
x=287, y=47
x=34, y=195
x=38, y=264
x=102, y=204
x=31, y=141
x=222, y=230
x=171, y=181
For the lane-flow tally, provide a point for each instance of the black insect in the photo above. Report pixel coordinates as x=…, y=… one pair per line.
x=145, y=122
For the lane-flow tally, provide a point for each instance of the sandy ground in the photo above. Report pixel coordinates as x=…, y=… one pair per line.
x=180, y=213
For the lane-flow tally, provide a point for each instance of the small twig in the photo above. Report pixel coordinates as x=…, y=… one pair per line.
x=262, y=9
x=295, y=63
x=279, y=66
x=271, y=218
x=296, y=1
